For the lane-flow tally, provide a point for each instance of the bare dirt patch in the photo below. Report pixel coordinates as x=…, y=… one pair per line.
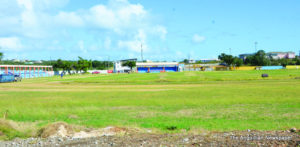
x=59, y=129
x=63, y=130
x=81, y=90
x=58, y=87
x=63, y=134
x=10, y=129
x=234, y=138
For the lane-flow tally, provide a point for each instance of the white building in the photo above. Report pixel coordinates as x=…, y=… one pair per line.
x=38, y=62
x=282, y=55
x=192, y=61
x=15, y=60
x=157, y=67
x=119, y=68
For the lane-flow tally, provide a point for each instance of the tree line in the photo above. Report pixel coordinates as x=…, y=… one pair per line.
x=81, y=65
x=67, y=65
x=187, y=61
x=259, y=58
x=1, y=56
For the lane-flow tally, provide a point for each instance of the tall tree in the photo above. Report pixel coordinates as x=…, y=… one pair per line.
x=258, y=59
x=101, y=64
x=237, y=62
x=68, y=66
x=186, y=61
x=130, y=64
x=76, y=67
x=1, y=56
x=228, y=59
x=58, y=65
x=84, y=64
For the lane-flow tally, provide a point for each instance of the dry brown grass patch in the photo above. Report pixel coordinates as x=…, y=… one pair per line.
x=19, y=126
x=56, y=129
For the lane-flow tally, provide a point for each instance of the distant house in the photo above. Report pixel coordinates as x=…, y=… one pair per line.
x=29, y=63
x=15, y=60
x=281, y=55
x=119, y=68
x=208, y=60
x=244, y=56
x=273, y=55
x=38, y=62
x=192, y=61
x=156, y=67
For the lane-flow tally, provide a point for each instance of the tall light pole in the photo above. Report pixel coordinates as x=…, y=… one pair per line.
x=255, y=43
x=142, y=53
x=189, y=62
x=107, y=62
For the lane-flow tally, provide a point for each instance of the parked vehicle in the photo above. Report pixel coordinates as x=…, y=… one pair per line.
x=6, y=78
x=96, y=72
x=18, y=78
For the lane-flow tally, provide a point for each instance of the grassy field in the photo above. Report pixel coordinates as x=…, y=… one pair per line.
x=214, y=101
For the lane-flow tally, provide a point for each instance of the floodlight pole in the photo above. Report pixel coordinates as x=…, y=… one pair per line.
x=107, y=64
x=189, y=62
x=255, y=43
x=142, y=53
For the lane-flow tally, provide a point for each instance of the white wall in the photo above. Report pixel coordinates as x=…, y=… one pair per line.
x=119, y=68
x=89, y=71
x=101, y=71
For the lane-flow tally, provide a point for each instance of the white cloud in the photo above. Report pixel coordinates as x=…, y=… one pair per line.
x=131, y=12
x=81, y=46
x=198, y=39
x=101, y=17
x=140, y=38
x=38, y=22
x=10, y=43
x=161, y=31
x=27, y=4
x=131, y=45
x=107, y=43
x=93, y=47
x=115, y=15
x=41, y=4
x=34, y=21
x=179, y=53
x=69, y=19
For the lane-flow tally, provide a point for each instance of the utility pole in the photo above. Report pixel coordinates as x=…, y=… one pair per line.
x=142, y=53
x=107, y=63
x=189, y=62
x=255, y=43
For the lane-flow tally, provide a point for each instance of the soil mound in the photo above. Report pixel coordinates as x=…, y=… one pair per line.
x=59, y=129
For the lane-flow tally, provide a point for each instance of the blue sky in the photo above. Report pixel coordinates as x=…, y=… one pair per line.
x=169, y=29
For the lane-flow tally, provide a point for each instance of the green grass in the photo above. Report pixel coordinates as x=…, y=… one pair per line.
x=215, y=101
x=184, y=77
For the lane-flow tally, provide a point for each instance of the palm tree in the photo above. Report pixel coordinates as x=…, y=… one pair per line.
x=1, y=56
